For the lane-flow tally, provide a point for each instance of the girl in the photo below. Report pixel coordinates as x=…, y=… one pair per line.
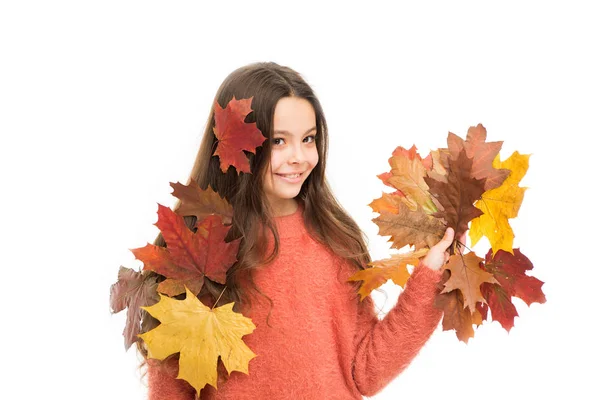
x=314, y=339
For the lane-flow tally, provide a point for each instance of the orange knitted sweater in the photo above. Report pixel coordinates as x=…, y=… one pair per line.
x=321, y=341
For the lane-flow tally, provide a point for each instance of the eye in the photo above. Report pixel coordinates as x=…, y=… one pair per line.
x=311, y=137
x=275, y=141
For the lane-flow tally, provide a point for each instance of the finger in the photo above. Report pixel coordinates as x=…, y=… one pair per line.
x=447, y=239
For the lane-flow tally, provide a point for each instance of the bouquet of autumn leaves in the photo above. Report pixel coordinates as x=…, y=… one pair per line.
x=465, y=183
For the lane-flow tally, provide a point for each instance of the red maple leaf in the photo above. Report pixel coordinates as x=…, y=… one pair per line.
x=189, y=257
x=500, y=304
x=234, y=135
x=509, y=270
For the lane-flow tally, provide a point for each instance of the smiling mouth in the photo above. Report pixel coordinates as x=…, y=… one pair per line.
x=290, y=176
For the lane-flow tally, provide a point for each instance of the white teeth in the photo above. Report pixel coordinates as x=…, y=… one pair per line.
x=290, y=176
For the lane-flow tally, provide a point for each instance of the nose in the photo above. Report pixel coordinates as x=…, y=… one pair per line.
x=296, y=155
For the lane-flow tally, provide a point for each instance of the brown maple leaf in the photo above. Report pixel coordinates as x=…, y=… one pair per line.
x=132, y=290
x=189, y=257
x=456, y=316
x=234, y=135
x=458, y=194
x=482, y=153
x=467, y=276
x=407, y=227
x=201, y=203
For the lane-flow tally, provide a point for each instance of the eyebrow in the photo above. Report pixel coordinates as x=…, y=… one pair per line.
x=286, y=133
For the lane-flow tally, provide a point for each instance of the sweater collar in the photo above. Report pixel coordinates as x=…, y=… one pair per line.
x=291, y=225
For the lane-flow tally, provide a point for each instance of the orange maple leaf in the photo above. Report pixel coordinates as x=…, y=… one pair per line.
x=393, y=268
x=467, y=276
x=456, y=316
x=234, y=135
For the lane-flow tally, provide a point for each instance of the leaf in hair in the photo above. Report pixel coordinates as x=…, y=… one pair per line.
x=189, y=257
x=201, y=203
x=234, y=135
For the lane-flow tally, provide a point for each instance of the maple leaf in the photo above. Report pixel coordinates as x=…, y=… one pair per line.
x=482, y=153
x=467, y=276
x=456, y=316
x=189, y=257
x=500, y=304
x=437, y=170
x=389, y=202
x=500, y=204
x=234, y=135
x=200, y=335
x=510, y=269
x=393, y=268
x=132, y=291
x=467, y=184
x=201, y=203
x=406, y=175
x=458, y=194
x=414, y=228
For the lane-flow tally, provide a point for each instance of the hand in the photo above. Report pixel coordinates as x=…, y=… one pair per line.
x=438, y=254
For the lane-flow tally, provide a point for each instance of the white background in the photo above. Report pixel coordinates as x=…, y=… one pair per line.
x=102, y=104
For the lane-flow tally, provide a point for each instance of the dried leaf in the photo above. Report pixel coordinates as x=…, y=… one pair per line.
x=201, y=203
x=393, y=268
x=234, y=135
x=458, y=194
x=500, y=204
x=407, y=175
x=413, y=228
x=456, y=316
x=467, y=276
x=132, y=291
x=482, y=153
x=189, y=257
x=200, y=335
x=510, y=269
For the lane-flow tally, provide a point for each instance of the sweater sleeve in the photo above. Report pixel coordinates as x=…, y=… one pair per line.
x=386, y=347
x=163, y=383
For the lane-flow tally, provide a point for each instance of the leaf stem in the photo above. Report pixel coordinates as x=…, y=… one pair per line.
x=224, y=287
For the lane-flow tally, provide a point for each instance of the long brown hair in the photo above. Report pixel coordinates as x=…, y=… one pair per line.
x=325, y=219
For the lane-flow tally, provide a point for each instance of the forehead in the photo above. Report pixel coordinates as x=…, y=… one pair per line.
x=293, y=115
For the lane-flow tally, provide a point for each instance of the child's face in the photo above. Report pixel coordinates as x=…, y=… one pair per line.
x=293, y=151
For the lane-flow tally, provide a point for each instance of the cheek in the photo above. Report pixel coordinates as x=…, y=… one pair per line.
x=276, y=160
x=314, y=158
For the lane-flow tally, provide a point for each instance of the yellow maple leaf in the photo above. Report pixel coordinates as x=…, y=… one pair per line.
x=500, y=204
x=200, y=335
x=393, y=268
